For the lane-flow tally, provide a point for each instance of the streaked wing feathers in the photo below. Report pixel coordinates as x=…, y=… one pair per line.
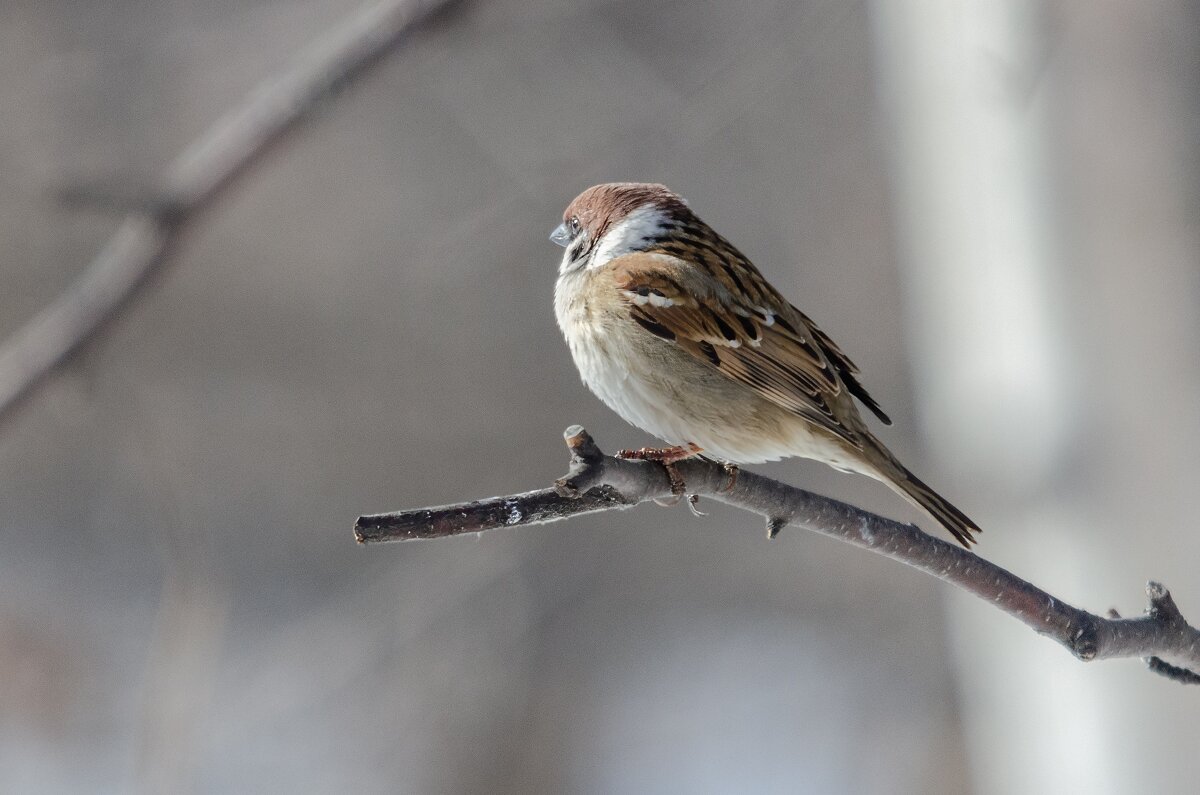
x=754, y=345
x=847, y=369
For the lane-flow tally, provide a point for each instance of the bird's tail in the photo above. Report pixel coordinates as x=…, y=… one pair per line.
x=913, y=489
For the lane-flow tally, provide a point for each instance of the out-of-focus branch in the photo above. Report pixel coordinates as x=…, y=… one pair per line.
x=191, y=183
x=596, y=482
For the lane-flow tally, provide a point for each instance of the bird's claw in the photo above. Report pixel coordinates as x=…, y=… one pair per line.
x=668, y=457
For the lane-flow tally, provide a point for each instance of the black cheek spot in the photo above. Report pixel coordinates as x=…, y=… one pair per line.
x=577, y=249
x=709, y=351
x=643, y=291
x=657, y=329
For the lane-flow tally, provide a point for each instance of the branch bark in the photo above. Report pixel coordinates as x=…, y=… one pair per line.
x=212, y=163
x=597, y=482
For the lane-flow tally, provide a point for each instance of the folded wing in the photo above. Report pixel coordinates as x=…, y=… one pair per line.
x=772, y=348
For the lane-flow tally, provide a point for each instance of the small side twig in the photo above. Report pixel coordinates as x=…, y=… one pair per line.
x=597, y=482
x=191, y=184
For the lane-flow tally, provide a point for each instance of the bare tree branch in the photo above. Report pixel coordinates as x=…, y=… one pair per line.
x=596, y=482
x=191, y=183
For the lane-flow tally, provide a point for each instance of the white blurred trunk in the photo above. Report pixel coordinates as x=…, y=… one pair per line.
x=1032, y=330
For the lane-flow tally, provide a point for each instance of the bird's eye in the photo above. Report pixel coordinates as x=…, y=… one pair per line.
x=574, y=224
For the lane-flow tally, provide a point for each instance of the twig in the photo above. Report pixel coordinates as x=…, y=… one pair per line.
x=191, y=183
x=596, y=482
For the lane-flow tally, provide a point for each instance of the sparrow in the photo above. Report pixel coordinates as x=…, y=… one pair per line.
x=679, y=333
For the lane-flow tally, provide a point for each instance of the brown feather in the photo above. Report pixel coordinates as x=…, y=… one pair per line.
x=847, y=369
x=787, y=368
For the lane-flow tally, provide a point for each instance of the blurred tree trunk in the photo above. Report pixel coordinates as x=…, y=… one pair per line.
x=1045, y=175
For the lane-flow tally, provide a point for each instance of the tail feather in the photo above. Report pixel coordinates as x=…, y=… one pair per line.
x=955, y=521
x=913, y=489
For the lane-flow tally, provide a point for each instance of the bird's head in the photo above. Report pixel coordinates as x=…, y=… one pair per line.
x=607, y=221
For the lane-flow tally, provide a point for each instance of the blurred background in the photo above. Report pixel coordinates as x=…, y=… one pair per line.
x=992, y=207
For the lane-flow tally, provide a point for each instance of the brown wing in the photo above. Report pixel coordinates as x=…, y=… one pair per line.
x=846, y=369
x=766, y=348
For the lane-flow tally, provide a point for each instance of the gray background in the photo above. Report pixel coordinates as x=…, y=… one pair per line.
x=366, y=324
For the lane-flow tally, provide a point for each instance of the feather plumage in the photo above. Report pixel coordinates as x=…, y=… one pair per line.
x=679, y=333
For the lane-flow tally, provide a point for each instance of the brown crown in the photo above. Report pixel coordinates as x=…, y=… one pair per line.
x=601, y=206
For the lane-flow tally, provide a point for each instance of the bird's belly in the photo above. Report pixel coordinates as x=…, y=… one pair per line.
x=655, y=385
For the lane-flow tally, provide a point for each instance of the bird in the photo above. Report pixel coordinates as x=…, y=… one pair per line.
x=680, y=334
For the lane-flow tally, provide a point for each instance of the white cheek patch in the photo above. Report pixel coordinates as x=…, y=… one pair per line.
x=629, y=235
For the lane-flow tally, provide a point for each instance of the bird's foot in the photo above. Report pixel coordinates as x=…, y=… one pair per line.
x=668, y=457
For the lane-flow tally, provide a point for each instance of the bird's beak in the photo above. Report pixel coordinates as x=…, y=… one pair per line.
x=560, y=235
